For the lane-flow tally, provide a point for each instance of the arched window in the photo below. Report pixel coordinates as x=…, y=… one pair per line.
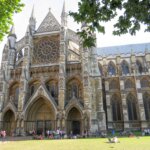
x=129, y=84
x=52, y=87
x=74, y=90
x=146, y=101
x=116, y=108
x=125, y=68
x=144, y=83
x=113, y=85
x=131, y=104
x=139, y=67
x=111, y=69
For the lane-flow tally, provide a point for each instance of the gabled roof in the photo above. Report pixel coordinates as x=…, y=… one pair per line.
x=49, y=24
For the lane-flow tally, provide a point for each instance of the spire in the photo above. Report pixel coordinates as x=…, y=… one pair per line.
x=32, y=13
x=32, y=21
x=64, y=15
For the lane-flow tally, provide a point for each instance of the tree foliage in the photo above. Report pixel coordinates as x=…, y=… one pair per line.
x=7, y=9
x=130, y=15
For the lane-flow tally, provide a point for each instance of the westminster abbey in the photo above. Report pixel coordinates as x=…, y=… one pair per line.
x=49, y=81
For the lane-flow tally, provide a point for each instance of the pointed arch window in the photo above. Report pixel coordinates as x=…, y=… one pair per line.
x=144, y=83
x=139, y=67
x=125, y=68
x=111, y=69
x=116, y=108
x=146, y=101
x=132, y=110
x=74, y=90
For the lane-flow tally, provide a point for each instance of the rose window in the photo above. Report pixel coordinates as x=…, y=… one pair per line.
x=46, y=51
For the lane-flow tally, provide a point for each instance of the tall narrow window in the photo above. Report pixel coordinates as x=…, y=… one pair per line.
x=74, y=90
x=146, y=101
x=116, y=108
x=132, y=111
x=125, y=68
x=139, y=67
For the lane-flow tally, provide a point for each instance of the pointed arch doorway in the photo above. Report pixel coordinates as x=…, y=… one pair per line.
x=74, y=122
x=40, y=117
x=9, y=122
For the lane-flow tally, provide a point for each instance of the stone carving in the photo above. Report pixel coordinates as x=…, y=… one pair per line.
x=46, y=51
x=49, y=24
x=61, y=83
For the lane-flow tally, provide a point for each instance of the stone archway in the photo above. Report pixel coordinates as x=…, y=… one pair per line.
x=9, y=122
x=40, y=117
x=74, y=122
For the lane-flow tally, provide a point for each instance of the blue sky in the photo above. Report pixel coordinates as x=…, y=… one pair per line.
x=41, y=8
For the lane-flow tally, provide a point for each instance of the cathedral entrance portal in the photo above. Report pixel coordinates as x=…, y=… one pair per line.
x=9, y=122
x=40, y=117
x=74, y=122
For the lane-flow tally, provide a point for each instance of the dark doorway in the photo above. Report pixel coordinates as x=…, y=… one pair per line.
x=40, y=128
x=9, y=122
x=43, y=126
x=74, y=122
x=76, y=127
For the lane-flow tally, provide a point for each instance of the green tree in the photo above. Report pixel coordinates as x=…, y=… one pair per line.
x=7, y=9
x=130, y=15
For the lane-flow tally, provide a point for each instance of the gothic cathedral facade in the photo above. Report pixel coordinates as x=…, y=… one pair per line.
x=49, y=81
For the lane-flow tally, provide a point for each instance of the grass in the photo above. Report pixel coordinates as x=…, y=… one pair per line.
x=142, y=143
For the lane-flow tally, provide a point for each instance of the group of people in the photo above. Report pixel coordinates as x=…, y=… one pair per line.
x=58, y=134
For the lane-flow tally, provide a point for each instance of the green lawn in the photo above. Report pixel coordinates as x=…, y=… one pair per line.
x=142, y=143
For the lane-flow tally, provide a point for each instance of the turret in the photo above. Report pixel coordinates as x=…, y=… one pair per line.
x=32, y=22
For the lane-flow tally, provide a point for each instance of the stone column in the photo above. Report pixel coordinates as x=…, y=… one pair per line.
x=62, y=69
x=109, y=111
x=125, y=111
x=141, y=111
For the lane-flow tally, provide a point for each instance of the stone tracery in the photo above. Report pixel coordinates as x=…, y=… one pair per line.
x=46, y=51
